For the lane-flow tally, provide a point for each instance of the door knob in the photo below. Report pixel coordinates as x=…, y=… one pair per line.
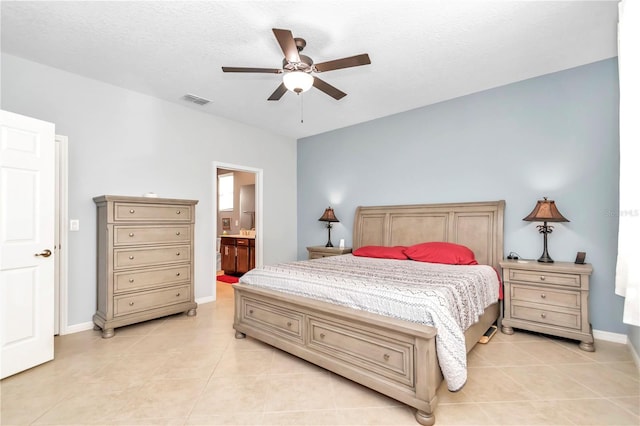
x=45, y=253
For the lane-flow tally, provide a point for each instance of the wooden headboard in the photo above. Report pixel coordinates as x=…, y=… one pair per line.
x=477, y=225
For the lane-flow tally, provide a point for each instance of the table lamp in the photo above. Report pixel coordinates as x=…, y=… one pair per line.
x=545, y=211
x=329, y=216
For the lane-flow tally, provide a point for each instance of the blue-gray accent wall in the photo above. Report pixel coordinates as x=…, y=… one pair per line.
x=555, y=135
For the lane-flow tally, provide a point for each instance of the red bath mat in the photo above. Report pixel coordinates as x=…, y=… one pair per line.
x=227, y=279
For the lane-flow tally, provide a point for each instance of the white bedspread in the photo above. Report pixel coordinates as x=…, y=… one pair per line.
x=448, y=297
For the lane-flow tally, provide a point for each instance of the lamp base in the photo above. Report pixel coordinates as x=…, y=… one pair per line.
x=329, y=239
x=545, y=259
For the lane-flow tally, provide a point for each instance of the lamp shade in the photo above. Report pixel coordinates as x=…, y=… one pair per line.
x=545, y=211
x=328, y=216
x=298, y=81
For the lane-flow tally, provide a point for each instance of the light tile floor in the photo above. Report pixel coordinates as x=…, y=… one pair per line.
x=184, y=370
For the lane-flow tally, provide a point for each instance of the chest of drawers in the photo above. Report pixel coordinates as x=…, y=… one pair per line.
x=551, y=298
x=145, y=260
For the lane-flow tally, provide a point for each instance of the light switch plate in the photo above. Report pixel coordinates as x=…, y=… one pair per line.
x=74, y=225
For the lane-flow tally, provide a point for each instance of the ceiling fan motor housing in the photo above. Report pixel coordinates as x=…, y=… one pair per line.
x=305, y=64
x=300, y=43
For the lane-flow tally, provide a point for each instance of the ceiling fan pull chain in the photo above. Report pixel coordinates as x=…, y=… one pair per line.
x=301, y=108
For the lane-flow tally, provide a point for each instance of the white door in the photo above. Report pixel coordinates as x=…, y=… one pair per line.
x=27, y=187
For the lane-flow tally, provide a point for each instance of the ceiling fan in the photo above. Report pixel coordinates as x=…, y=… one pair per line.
x=298, y=69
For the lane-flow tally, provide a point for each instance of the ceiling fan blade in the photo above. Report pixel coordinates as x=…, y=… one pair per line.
x=328, y=89
x=261, y=70
x=287, y=44
x=352, y=61
x=281, y=90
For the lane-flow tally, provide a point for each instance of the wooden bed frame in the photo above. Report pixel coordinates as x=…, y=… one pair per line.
x=394, y=357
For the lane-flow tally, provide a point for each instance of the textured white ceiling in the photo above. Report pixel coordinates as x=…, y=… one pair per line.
x=422, y=52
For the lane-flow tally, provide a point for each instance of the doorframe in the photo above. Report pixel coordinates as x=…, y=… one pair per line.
x=259, y=206
x=61, y=235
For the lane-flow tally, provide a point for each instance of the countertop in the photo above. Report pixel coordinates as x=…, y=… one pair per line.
x=251, y=237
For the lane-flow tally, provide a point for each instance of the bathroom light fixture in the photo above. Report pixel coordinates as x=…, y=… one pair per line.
x=545, y=211
x=298, y=81
x=329, y=216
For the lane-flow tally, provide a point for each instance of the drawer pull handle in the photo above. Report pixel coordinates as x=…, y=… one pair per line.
x=177, y=274
x=322, y=335
x=130, y=303
x=544, y=296
x=542, y=278
x=130, y=257
x=543, y=315
x=131, y=234
x=178, y=233
x=178, y=254
x=177, y=211
x=130, y=280
x=386, y=357
x=250, y=311
x=288, y=323
x=178, y=294
x=132, y=211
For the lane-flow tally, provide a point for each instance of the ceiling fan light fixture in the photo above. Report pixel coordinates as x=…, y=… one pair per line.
x=298, y=70
x=298, y=81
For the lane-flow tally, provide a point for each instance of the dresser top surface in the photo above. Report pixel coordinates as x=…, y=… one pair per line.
x=531, y=264
x=343, y=250
x=141, y=200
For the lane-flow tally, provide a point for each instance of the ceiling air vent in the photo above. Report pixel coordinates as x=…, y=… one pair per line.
x=196, y=99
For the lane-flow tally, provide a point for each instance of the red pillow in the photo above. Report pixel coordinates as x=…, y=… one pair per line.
x=396, y=252
x=441, y=252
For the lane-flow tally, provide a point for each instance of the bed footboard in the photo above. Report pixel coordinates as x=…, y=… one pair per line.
x=396, y=358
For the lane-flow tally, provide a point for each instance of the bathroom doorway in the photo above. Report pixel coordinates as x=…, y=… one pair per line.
x=238, y=213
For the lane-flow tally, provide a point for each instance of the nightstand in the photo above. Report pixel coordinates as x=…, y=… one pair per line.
x=317, y=252
x=550, y=298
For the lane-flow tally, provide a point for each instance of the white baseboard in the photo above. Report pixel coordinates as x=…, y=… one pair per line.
x=76, y=328
x=207, y=299
x=617, y=338
x=610, y=337
x=84, y=326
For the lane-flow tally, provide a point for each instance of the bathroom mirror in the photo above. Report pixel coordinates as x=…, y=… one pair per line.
x=247, y=206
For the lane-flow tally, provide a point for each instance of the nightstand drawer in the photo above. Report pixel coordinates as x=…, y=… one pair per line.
x=550, y=278
x=546, y=296
x=559, y=318
x=318, y=252
x=315, y=255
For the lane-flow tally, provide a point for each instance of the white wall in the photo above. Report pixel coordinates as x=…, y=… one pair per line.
x=125, y=143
